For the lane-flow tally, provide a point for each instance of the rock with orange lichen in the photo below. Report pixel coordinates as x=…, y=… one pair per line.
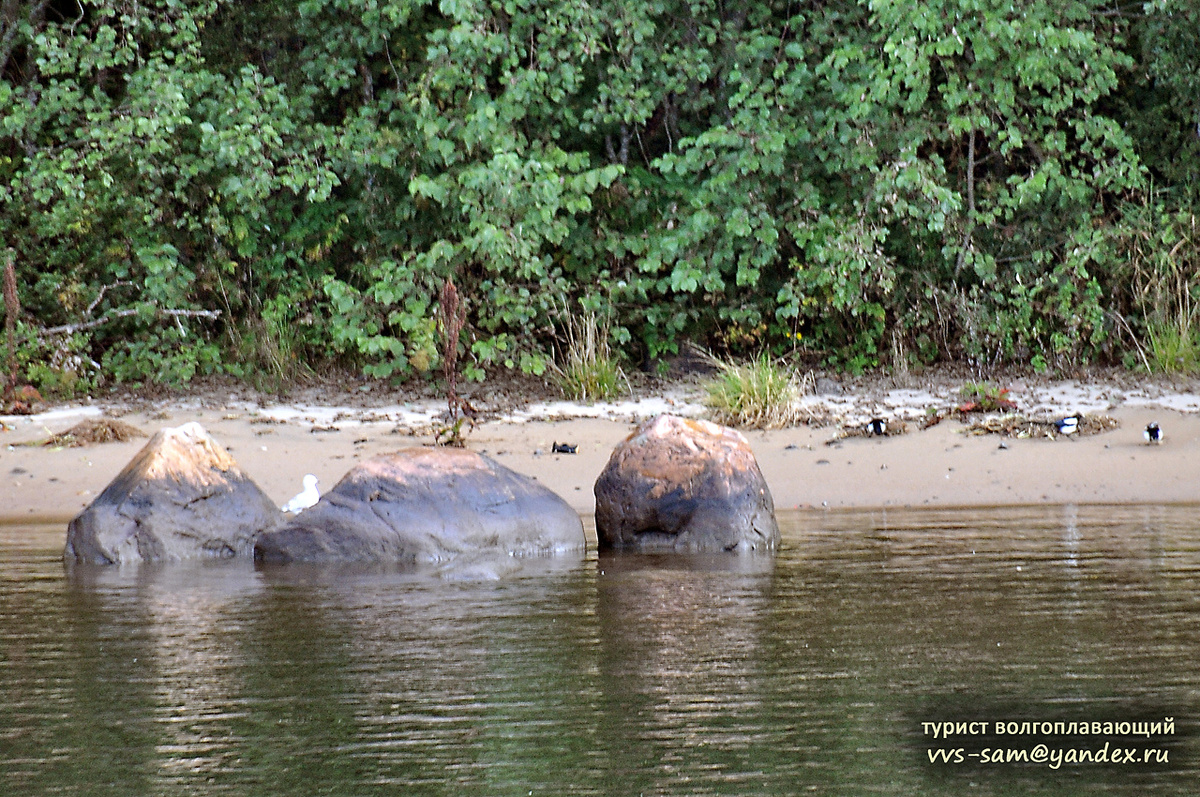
x=181, y=497
x=427, y=506
x=678, y=484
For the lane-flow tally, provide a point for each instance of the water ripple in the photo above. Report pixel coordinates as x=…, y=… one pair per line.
x=807, y=673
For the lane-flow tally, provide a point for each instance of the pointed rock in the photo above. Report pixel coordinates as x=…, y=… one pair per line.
x=181, y=497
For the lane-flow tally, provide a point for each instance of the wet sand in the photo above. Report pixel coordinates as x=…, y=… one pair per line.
x=939, y=466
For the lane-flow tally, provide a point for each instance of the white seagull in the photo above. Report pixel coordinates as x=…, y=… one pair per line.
x=305, y=498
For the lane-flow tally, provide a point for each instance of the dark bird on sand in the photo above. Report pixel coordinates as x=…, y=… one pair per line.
x=1069, y=424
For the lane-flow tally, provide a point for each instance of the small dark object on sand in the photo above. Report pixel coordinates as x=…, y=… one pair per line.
x=563, y=448
x=876, y=427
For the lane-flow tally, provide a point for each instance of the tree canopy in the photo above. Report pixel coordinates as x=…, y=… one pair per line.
x=246, y=186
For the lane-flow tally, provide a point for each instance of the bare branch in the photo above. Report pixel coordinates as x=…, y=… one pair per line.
x=966, y=244
x=12, y=309
x=70, y=329
x=104, y=290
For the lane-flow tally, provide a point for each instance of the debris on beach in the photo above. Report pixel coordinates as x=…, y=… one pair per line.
x=1014, y=425
x=977, y=399
x=933, y=417
x=91, y=432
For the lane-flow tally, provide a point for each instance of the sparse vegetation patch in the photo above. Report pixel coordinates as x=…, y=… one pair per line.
x=759, y=394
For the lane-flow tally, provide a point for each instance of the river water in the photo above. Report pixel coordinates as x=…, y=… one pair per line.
x=810, y=673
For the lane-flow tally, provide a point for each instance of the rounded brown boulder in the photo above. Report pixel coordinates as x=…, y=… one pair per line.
x=181, y=497
x=427, y=506
x=678, y=484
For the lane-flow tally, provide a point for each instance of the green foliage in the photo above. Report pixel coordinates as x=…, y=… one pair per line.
x=949, y=176
x=1160, y=103
x=1010, y=130
x=166, y=357
x=454, y=432
x=57, y=367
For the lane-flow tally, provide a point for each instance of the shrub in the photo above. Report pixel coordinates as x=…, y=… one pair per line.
x=985, y=397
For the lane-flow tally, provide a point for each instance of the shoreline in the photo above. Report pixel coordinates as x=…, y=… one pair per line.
x=276, y=443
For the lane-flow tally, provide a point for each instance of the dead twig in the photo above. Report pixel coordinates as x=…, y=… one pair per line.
x=12, y=308
x=451, y=318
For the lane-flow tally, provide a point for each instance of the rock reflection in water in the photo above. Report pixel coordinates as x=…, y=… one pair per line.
x=152, y=673
x=680, y=640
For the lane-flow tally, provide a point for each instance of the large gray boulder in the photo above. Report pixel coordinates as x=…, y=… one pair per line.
x=181, y=497
x=427, y=506
x=679, y=484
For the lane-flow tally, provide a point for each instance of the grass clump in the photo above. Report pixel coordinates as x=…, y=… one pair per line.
x=1161, y=249
x=759, y=394
x=1174, y=346
x=588, y=371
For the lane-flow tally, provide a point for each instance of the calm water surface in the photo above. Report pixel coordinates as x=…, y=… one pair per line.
x=807, y=674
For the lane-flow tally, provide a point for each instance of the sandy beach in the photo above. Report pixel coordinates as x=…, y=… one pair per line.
x=807, y=466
